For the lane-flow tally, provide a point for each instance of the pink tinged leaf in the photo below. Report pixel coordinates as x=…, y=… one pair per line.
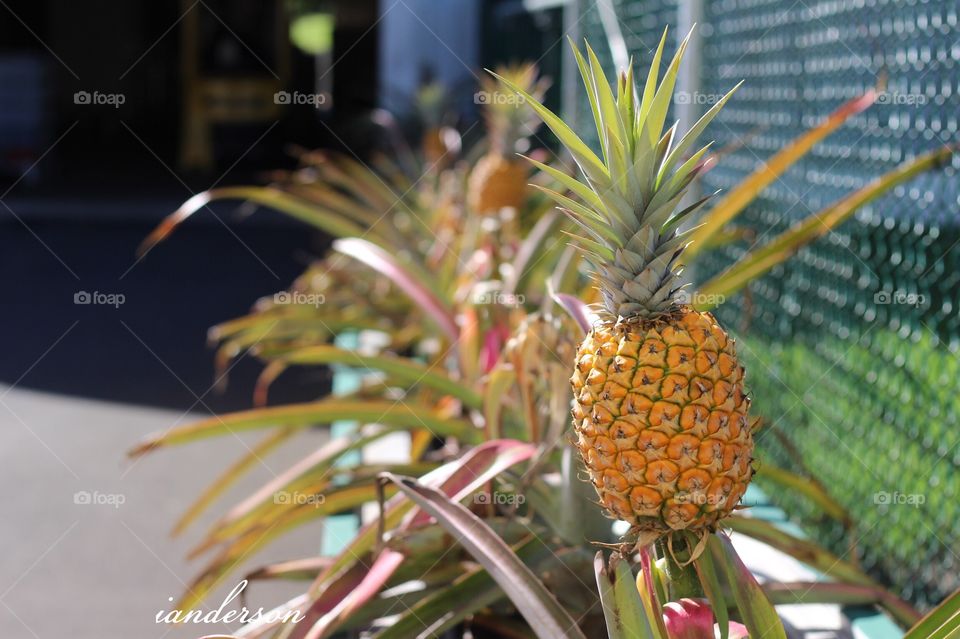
x=656, y=611
x=373, y=581
x=688, y=619
x=546, y=617
x=576, y=309
x=492, y=344
x=475, y=469
x=459, y=477
x=738, y=631
x=456, y=480
x=385, y=264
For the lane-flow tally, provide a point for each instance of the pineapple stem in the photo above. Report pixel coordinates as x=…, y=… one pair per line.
x=682, y=577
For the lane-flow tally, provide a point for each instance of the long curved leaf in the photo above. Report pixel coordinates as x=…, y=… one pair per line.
x=451, y=605
x=943, y=622
x=623, y=609
x=310, y=475
x=385, y=264
x=541, y=610
x=457, y=478
x=244, y=547
x=398, y=563
x=800, y=549
x=295, y=569
x=230, y=477
x=758, y=613
x=324, y=195
x=302, y=415
x=293, y=206
x=758, y=262
x=809, y=488
x=400, y=368
x=424, y=554
x=318, y=626
x=731, y=204
x=844, y=594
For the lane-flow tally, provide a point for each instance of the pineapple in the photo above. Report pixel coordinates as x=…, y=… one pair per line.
x=539, y=348
x=660, y=411
x=499, y=179
x=539, y=352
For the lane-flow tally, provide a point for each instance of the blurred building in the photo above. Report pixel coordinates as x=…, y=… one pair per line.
x=113, y=113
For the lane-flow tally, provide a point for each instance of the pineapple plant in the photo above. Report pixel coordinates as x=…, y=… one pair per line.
x=687, y=390
x=660, y=409
x=499, y=178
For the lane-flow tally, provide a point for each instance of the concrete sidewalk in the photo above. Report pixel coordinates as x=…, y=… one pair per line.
x=105, y=569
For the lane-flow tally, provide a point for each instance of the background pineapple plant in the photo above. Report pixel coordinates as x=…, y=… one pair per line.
x=499, y=178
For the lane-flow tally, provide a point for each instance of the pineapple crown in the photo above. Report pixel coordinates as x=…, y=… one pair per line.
x=509, y=121
x=628, y=201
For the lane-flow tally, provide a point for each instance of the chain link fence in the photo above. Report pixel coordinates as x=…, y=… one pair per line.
x=853, y=346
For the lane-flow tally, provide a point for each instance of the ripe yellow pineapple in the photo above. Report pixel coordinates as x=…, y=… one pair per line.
x=497, y=182
x=499, y=179
x=660, y=411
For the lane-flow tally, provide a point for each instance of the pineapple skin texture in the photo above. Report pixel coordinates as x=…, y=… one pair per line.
x=497, y=182
x=660, y=416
